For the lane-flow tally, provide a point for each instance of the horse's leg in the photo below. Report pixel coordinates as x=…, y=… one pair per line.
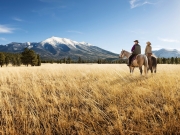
x=154, y=69
x=151, y=69
x=130, y=69
x=140, y=68
x=145, y=70
x=146, y=66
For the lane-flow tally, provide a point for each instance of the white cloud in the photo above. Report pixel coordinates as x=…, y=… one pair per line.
x=138, y=3
x=3, y=39
x=72, y=31
x=17, y=19
x=169, y=40
x=5, y=29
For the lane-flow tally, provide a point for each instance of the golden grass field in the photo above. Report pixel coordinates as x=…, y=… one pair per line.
x=89, y=99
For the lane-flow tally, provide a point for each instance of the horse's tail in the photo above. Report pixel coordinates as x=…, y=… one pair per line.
x=154, y=63
x=145, y=64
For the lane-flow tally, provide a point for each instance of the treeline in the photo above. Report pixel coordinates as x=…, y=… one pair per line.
x=68, y=60
x=27, y=57
x=81, y=61
x=171, y=60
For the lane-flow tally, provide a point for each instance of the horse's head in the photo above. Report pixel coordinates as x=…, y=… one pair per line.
x=121, y=55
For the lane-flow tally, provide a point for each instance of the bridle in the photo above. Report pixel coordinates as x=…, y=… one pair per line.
x=122, y=53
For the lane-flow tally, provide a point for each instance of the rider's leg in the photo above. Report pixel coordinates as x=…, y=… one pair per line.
x=129, y=62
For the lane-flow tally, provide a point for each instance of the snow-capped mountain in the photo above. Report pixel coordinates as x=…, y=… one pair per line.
x=167, y=53
x=58, y=48
x=55, y=41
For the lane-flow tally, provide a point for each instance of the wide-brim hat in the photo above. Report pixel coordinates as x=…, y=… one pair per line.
x=149, y=43
x=136, y=41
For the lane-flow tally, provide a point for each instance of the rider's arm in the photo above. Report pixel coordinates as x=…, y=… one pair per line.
x=150, y=49
x=133, y=48
x=146, y=50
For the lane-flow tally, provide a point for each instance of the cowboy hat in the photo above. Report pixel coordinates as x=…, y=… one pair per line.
x=149, y=43
x=136, y=41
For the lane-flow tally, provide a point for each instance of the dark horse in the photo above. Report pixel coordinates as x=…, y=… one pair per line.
x=152, y=62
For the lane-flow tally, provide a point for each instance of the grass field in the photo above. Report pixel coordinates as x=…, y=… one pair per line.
x=89, y=99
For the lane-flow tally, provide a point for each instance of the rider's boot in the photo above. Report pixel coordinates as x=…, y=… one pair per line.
x=128, y=63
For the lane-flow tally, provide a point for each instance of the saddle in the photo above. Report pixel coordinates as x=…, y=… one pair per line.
x=133, y=58
x=149, y=54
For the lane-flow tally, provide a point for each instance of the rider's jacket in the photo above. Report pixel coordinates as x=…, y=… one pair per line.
x=148, y=49
x=136, y=49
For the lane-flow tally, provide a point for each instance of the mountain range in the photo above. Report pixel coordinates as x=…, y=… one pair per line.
x=58, y=48
x=167, y=53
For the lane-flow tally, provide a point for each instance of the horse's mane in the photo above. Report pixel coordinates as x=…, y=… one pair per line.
x=127, y=51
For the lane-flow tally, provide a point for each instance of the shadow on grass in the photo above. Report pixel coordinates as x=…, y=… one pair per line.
x=125, y=80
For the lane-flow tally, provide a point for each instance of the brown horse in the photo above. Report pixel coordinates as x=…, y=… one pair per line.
x=139, y=61
x=152, y=61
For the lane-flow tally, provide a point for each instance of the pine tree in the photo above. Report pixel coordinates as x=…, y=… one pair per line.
x=68, y=60
x=64, y=60
x=164, y=60
x=176, y=60
x=14, y=61
x=172, y=60
x=33, y=57
x=79, y=60
x=7, y=61
x=39, y=60
x=100, y=61
x=51, y=61
x=18, y=61
x=2, y=59
x=26, y=59
x=158, y=61
x=29, y=57
x=168, y=61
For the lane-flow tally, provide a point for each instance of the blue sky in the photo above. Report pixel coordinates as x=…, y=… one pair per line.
x=109, y=24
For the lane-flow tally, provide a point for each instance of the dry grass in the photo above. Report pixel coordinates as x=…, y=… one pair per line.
x=89, y=99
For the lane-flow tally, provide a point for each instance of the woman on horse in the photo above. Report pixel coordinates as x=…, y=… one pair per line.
x=148, y=51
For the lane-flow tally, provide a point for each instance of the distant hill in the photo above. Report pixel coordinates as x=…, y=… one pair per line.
x=167, y=53
x=58, y=48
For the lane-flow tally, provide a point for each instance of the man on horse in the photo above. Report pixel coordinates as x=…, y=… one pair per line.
x=136, y=49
